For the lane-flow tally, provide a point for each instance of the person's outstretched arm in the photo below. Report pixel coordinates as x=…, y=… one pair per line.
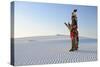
x=67, y=25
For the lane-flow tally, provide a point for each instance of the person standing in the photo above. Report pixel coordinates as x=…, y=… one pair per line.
x=73, y=30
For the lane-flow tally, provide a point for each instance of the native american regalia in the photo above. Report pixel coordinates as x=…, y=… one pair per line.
x=74, y=31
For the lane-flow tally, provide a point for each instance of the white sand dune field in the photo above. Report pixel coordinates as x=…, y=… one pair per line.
x=53, y=50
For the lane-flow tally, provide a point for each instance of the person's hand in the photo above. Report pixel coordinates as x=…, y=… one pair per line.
x=64, y=22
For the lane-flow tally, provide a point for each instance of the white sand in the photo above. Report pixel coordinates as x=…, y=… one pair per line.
x=52, y=49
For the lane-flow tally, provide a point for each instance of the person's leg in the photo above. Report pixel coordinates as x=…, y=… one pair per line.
x=76, y=43
x=73, y=45
x=77, y=39
x=71, y=35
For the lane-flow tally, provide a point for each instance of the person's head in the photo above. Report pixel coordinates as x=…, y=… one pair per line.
x=75, y=10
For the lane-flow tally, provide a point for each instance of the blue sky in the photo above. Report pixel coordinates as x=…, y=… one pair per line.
x=40, y=19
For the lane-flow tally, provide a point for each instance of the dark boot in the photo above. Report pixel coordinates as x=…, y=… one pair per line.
x=71, y=50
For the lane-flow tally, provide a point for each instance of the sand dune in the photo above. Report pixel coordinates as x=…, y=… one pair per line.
x=53, y=49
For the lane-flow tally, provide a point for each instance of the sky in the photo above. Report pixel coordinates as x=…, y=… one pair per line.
x=42, y=19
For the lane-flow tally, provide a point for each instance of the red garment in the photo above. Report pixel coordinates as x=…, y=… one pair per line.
x=72, y=35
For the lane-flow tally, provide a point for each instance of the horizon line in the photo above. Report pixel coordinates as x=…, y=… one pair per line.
x=54, y=35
